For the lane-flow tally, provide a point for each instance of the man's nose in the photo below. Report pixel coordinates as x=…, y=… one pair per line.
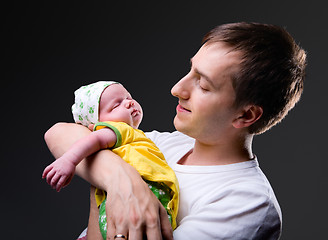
x=181, y=89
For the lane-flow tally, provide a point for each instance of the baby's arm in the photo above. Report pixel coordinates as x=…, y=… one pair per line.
x=61, y=171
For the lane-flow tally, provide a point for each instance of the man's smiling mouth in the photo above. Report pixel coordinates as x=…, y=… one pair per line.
x=180, y=108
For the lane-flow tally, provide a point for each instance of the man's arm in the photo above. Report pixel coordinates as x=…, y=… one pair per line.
x=133, y=208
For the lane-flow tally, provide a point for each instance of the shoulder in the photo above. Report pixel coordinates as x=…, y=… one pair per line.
x=168, y=139
x=162, y=136
x=257, y=201
x=173, y=145
x=234, y=205
x=243, y=188
x=236, y=214
x=247, y=190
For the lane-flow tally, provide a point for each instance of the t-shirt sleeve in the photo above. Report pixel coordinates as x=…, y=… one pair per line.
x=240, y=214
x=124, y=133
x=157, y=137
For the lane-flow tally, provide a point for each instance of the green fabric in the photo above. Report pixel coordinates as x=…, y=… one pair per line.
x=102, y=219
x=161, y=191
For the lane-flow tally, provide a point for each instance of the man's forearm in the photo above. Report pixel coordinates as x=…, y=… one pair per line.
x=62, y=136
x=121, y=181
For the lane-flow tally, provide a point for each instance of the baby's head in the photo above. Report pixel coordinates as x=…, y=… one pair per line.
x=106, y=101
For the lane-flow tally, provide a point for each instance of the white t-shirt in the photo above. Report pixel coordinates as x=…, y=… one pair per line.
x=232, y=201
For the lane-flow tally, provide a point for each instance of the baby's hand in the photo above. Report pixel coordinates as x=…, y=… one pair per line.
x=60, y=173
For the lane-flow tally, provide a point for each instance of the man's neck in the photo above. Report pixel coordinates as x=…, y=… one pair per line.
x=219, y=153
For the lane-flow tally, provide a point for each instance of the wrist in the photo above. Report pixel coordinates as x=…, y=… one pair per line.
x=71, y=157
x=105, y=169
x=123, y=176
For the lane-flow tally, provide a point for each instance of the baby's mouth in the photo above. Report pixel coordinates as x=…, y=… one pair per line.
x=135, y=113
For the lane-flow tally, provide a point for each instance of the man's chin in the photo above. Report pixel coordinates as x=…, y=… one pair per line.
x=180, y=126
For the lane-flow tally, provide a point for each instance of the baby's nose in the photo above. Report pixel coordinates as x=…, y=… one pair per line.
x=129, y=104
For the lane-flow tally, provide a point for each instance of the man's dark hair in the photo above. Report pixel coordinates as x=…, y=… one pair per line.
x=272, y=70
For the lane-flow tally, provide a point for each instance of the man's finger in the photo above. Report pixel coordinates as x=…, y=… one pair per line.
x=135, y=234
x=111, y=229
x=154, y=233
x=153, y=225
x=166, y=228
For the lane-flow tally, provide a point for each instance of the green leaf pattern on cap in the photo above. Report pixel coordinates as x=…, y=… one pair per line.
x=86, y=107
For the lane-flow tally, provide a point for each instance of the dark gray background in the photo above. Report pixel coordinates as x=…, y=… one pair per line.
x=52, y=48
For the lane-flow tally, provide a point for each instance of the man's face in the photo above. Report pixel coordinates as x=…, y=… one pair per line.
x=206, y=95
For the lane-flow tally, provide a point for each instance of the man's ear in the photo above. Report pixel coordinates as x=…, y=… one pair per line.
x=249, y=115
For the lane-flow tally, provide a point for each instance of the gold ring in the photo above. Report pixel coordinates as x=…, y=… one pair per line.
x=119, y=236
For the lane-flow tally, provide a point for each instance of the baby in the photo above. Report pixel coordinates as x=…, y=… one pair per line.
x=116, y=116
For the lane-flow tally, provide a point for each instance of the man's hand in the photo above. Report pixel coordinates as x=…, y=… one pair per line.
x=133, y=210
x=60, y=173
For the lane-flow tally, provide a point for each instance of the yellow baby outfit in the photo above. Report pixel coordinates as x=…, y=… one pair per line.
x=135, y=148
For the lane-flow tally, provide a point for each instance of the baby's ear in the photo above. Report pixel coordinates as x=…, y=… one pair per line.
x=91, y=126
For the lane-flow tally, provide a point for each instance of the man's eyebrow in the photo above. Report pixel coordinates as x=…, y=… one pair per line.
x=208, y=79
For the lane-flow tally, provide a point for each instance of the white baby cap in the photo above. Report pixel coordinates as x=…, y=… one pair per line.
x=86, y=107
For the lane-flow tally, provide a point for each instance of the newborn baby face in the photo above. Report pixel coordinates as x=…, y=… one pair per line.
x=116, y=104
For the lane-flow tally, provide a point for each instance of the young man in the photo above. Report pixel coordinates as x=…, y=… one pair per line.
x=242, y=81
